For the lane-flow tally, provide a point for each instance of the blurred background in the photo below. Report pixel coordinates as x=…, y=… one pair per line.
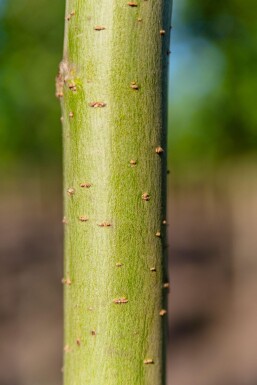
x=212, y=193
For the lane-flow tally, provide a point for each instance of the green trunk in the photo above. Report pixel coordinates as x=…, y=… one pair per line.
x=113, y=89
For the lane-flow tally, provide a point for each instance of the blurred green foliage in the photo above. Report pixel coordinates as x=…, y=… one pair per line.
x=31, y=35
x=213, y=81
x=214, y=78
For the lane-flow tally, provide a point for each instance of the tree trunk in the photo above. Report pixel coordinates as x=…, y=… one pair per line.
x=112, y=84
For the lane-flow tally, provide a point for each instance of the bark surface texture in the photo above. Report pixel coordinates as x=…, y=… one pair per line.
x=112, y=83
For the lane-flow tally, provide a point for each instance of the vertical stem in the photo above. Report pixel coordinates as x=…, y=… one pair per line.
x=113, y=89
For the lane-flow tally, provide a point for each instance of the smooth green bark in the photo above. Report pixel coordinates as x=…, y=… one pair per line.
x=113, y=89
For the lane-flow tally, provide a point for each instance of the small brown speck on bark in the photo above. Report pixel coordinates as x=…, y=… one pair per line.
x=134, y=86
x=67, y=349
x=69, y=16
x=146, y=197
x=72, y=86
x=149, y=361
x=71, y=191
x=120, y=300
x=119, y=264
x=64, y=221
x=99, y=28
x=159, y=150
x=104, y=224
x=66, y=281
x=83, y=218
x=97, y=104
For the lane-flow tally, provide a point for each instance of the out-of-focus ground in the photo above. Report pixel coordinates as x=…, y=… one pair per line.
x=213, y=269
